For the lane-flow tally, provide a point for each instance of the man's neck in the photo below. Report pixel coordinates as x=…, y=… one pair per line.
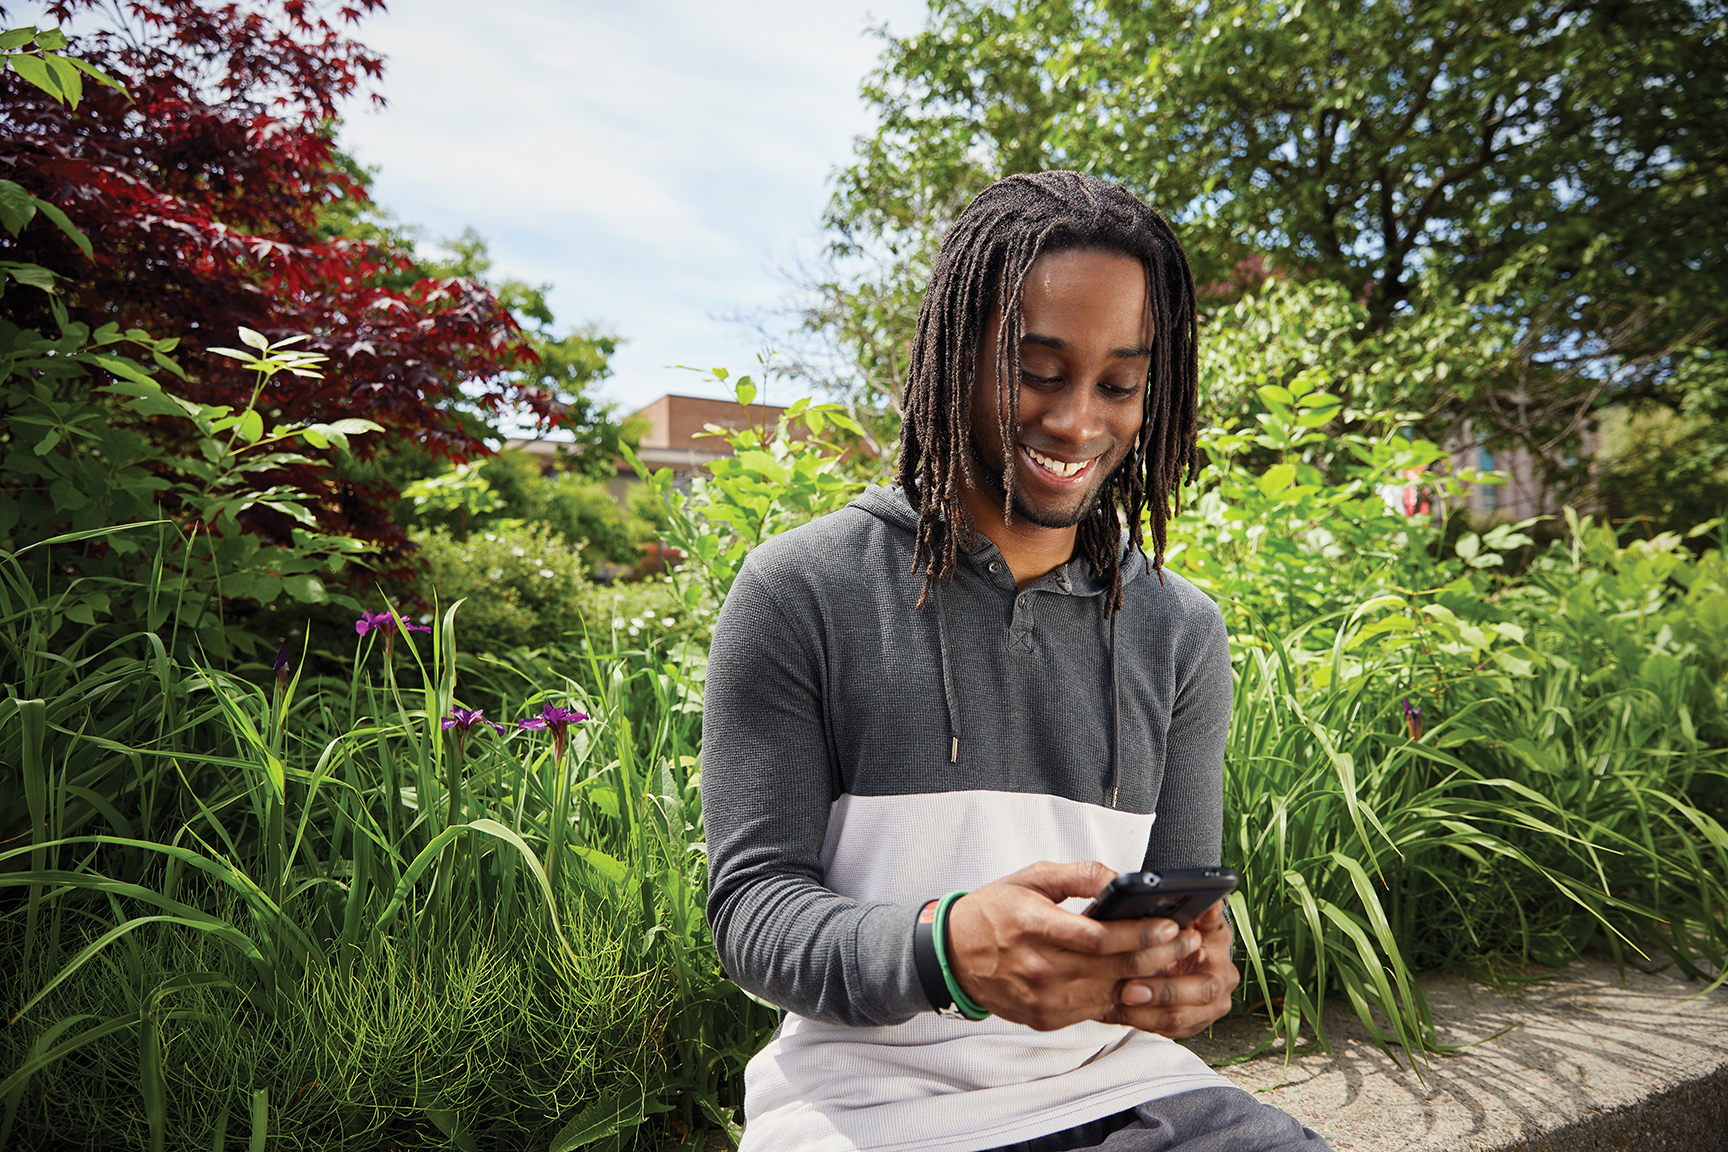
x=1031, y=552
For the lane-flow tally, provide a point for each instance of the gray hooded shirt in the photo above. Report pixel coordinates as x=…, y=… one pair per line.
x=861, y=756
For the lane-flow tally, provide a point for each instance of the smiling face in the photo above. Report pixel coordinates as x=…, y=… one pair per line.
x=1084, y=353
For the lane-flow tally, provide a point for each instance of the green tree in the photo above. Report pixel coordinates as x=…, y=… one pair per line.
x=566, y=365
x=1380, y=146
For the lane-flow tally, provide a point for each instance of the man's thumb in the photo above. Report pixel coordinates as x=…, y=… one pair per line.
x=1063, y=881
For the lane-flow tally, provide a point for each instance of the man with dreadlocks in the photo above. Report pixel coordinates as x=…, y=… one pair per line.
x=917, y=703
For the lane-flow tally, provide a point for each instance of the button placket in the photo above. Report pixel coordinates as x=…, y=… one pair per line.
x=1020, y=629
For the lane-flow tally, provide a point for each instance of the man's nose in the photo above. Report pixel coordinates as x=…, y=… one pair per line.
x=1076, y=415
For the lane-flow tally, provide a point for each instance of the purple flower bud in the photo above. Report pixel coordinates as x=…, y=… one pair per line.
x=282, y=666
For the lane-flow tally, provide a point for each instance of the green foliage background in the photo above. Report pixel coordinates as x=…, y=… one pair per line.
x=283, y=901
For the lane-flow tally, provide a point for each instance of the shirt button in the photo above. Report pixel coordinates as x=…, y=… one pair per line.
x=1021, y=602
x=995, y=565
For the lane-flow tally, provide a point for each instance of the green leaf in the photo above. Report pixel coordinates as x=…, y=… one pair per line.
x=100, y=76
x=350, y=426
x=260, y=1120
x=608, y=866
x=66, y=496
x=251, y=426
x=599, y=1120
x=16, y=37
x=253, y=339
x=35, y=70
x=306, y=588
x=761, y=462
x=147, y=399
x=1276, y=478
x=745, y=391
x=67, y=77
x=64, y=223
x=94, y=947
x=451, y=1125
x=17, y=207
x=123, y=368
x=1516, y=665
x=51, y=39
x=37, y=1062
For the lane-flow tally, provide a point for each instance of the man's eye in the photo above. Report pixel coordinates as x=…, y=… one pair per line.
x=1119, y=390
x=1034, y=378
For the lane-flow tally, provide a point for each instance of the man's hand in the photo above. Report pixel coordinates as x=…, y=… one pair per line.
x=1192, y=993
x=1024, y=959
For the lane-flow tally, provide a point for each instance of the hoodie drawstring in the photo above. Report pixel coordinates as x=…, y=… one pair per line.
x=950, y=695
x=947, y=679
x=1115, y=718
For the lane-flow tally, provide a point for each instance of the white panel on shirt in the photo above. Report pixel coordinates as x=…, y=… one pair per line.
x=952, y=1084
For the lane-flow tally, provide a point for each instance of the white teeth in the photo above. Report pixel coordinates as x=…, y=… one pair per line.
x=1059, y=467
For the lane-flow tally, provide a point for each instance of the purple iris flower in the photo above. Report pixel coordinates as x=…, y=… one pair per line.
x=281, y=667
x=466, y=718
x=385, y=623
x=462, y=719
x=1413, y=719
x=557, y=720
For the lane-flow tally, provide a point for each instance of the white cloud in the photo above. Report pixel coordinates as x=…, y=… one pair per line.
x=653, y=162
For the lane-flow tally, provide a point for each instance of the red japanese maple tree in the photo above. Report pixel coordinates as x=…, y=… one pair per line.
x=201, y=189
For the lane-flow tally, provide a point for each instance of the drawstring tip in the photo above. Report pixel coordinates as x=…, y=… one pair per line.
x=954, y=752
x=1113, y=790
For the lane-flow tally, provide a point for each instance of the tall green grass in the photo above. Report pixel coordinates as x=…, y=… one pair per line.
x=301, y=911
x=1533, y=815
x=229, y=894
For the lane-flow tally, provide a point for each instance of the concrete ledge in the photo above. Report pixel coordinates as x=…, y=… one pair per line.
x=1588, y=1063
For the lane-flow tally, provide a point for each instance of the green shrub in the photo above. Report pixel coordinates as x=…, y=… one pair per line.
x=523, y=586
x=511, y=489
x=526, y=587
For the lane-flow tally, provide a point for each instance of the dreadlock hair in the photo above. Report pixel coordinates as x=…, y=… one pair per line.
x=984, y=259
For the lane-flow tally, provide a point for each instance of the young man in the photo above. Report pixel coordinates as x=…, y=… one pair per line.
x=978, y=682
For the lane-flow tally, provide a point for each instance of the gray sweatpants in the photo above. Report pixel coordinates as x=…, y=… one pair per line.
x=1204, y=1120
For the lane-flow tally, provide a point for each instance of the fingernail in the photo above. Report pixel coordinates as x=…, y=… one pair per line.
x=1165, y=932
x=1136, y=994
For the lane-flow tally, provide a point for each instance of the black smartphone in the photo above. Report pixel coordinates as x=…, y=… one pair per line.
x=1179, y=894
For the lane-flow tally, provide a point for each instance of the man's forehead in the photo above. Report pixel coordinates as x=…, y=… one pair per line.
x=1126, y=352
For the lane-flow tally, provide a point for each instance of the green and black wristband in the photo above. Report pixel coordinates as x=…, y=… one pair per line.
x=930, y=956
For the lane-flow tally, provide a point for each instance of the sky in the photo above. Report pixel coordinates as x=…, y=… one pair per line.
x=658, y=164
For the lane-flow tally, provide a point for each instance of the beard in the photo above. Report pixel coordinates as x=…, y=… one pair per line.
x=1042, y=518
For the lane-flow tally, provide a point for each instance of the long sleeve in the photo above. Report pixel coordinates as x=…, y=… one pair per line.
x=768, y=780
x=1189, y=830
